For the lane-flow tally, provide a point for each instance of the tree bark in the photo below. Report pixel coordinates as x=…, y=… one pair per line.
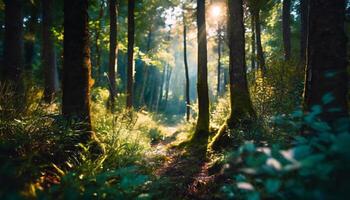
x=48, y=52
x=97, y=44
x=260, y=52
x=77, y=65
x=226, y=79
x=167, y=83
x=131, y=38
x=253, y=43
x=286, y=29
x=145, y=70
x=326, y=71
x=113, y=52
x=161, y=87
x=303, y=30
x=187, y=84
x=202, y=128
x=219, y=61
x=240, y=102
x=13, y=45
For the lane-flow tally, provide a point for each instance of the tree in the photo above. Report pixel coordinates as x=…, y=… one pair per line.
x=219, y=40
x=253, y=45
x=240, y=103
x=48, y=52
x=98, y=50
x=13, y=45
x=77, y=66
x=131, y=38
x=113, y=50
x=169, y=71
x=30, y=37
x=286, y=29
x=303, y=29
x=326, y=71
x=145, y=69
x=187, y=78
x=202, y=128
x=260, y=52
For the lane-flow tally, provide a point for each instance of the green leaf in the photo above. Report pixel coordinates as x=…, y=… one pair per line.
x=253, y=196
x=342, y=144
x=249, y=146
x=240, y=178
x=312, y=160
x=327, y=98
x=272, y=185
x=300, y=152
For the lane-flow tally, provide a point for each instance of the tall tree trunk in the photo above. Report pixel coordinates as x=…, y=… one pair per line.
x=13, y=45
x=202, y=128
x=145, y=69
x=286, y=29
x=30, y=39
x=113, y=51
x=260, y=55
x=187, y=84
x=253, y=55
x=226, y=79
x=48, y=52
x=303, y=30
x=77, y=65
x=326, y=71
x=97, y=44
x=162, y=87
x=241, y=106
x=167, y=83
x=151, y=86
x=219, y=61
x=154, y=90
x=131, y=38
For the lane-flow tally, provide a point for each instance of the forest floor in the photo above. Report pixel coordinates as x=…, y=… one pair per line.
x=184, y=172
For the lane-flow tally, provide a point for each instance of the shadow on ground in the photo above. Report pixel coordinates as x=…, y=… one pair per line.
x=184, y=174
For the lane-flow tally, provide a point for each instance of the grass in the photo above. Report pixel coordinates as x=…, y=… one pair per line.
x=41, y=158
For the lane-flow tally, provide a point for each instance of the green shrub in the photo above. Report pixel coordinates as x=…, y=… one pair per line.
x=315, y=167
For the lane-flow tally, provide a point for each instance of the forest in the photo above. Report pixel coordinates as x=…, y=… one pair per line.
x=174, y=99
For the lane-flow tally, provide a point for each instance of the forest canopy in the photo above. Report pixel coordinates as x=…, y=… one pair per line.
x=180, y=99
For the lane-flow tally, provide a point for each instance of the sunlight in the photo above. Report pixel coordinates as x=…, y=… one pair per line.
x=170, y=16
x=216, y=11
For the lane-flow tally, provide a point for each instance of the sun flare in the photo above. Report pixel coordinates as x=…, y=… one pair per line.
x=216, y=11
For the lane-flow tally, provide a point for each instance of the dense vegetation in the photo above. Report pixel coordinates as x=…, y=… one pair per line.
x=154, y=99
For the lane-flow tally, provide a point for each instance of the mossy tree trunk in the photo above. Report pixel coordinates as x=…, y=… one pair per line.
x=241, y=106
x=326, y=71
x=131, y=39
x=48, y=52
x=202, y=128
x=77, y=66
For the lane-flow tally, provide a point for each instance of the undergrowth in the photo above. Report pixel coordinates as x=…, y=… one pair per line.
x=41, y=158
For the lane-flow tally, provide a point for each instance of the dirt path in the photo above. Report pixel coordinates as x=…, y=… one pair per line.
x=184, y=172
